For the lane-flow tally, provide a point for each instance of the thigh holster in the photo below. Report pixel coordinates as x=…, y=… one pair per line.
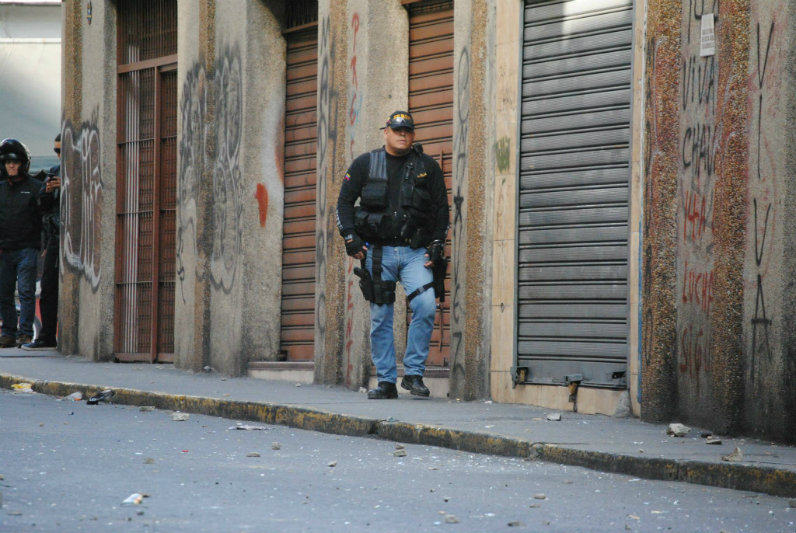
x=375, y=289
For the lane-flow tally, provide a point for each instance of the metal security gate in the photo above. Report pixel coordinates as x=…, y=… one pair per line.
x=431, y=106
x=572, y=315
x=146, y=180
x=298, y=242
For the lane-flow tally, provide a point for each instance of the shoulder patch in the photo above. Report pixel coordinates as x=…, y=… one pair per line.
x=422, y=175
x=347, y=176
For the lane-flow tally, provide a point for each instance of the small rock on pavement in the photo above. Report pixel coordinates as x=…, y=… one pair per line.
x=177, y=416
x=712, y=440
x=146, y=408
x=252, y=454
x=332, y=464
x=399, y=453
x=678, y=430
x=399, y=446
x=554, y=417
x=276, y=446
x=451, y=519
x=247, y=427
x=539, y=496
x=149, y=461
x=133, y=499
x=515, y=523
x=736, y=455
x=75, y=396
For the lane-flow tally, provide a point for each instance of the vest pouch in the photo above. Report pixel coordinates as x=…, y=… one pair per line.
x=368, y=225
x=374, y=195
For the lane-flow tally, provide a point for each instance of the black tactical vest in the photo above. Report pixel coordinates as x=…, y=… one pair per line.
x=412, y=222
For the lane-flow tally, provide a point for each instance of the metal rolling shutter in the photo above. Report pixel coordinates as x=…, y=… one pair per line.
x=431, y=105
x=574, y=190
x=298, y=244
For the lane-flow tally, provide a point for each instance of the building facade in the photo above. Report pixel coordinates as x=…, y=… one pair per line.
x=618, y=173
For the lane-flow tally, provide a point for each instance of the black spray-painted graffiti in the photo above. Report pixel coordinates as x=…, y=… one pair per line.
x=761, y=347
x=460, y=165
x=216, y=151
x=81, y=200
x=327, y=138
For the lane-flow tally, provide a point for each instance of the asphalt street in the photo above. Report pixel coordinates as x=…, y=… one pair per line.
x=68, y=466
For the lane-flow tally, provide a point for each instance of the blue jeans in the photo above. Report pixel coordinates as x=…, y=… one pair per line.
x=404, y=264
x=18, y=265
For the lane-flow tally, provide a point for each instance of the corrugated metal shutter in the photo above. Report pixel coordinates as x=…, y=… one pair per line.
x=298, y=244
x=573, y=191
x=431, y=106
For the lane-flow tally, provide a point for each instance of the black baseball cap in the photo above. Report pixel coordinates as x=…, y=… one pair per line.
x=401, y=119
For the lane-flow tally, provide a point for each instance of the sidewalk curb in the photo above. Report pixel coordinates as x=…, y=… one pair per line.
x=777, y=482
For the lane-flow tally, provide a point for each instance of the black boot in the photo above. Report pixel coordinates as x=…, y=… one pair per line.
x=385, y=391
x=415, y=386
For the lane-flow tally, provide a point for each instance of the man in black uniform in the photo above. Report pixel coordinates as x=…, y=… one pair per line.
x=20, y=240
x=48, y=301
x=398, y=231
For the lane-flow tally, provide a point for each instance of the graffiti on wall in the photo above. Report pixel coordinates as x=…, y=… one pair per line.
x=698, y=142
x=763, y=195
x=204, y=148
x=327, y=155
x=81, y=200
x=461, y=125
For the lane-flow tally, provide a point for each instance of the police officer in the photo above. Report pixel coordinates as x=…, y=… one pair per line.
x=20, y=240
x=398, y=232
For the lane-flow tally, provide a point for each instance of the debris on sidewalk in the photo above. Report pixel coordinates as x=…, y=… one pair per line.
x=792, y=503
x=247, y=427
x=74, y=397
x=399, y=453
x=710, y=439
x=149, y=461
x=736, y=455
x=134, y=499
x=22, y=387
x=678, y=430
x=104, y=396
x=276, y=446
x=539, y=496
x=252, y=454
x=146, y=408
x=515, y=523
x=400, y=447
x=451, y=519
x=332, y=464
x=554, y=417
x=179, y=416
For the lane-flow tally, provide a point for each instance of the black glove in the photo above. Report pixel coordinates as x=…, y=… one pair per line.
x=435, y=251
x=354, y=245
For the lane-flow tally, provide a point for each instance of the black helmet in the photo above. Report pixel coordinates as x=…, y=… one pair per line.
x=13, y=150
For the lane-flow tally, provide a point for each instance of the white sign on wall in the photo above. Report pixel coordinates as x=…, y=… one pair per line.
x=707, y=45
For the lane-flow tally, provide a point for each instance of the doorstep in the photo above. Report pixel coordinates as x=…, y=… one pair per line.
x=292, y=371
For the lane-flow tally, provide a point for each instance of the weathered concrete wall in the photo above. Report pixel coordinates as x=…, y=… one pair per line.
x=330, y=258
x=231, y=185
x=770, y=366
x=196, y=56
x=88, y=198
x=722, y=140
x=470, y=218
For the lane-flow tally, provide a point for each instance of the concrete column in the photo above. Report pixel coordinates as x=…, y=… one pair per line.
x=196, y=51
x=330, y=261
x=470, y=216
x=88, y=199
x=769, y=361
